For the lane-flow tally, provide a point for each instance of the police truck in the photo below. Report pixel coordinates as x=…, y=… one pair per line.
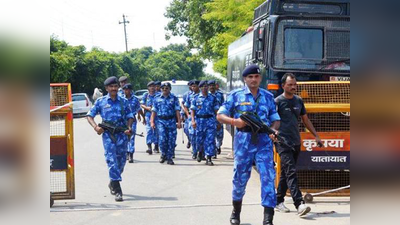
x=311, y=39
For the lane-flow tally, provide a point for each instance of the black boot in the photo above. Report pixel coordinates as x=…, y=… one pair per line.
x=188, y=144
x=149, y=149
x=237, y=208
x=199, y=157
x=203, y=156
x=209, y=162
x=162, y=158
x=170, y=162
x=219, y=150
x=130, y=157
x=268, y=216
x=111, y=186
x=156, y=149
x=118, y=191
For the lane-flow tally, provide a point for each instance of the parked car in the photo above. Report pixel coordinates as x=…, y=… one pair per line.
x=139, y=93
x=81, y=103
x=178, y=88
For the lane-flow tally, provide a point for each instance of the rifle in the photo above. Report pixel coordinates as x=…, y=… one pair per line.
x=112, y=129
x=257, y=125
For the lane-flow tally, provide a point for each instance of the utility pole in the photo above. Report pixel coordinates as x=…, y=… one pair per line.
x=125, y=22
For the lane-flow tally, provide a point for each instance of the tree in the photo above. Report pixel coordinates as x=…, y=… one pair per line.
x=86, y=70
x=187, y=21
x=211, y=25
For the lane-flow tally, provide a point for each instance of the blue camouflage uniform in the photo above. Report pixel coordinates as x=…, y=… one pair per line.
x=151, y=136
x=117, y=112
x=187, y=124
x=192, y=131
x=165, y=108
x=135, y=107
x=121, y=92
x=205, y=107
x=220, y=132
x=239, y=101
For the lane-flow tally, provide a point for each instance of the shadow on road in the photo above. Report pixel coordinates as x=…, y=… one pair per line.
x=128, y=197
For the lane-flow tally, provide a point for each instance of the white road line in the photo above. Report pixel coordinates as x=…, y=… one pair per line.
x=122, y=207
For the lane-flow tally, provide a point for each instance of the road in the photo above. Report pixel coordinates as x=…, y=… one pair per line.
x=187, y=193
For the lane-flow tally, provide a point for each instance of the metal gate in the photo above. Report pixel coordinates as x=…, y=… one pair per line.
x=328, y=167
x=62, y=182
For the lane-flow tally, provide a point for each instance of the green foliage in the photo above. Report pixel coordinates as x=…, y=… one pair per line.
x=86, y=70
x=211, y=25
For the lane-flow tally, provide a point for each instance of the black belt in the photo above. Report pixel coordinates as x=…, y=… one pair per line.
x=165, y=117
x=248, y=129
x=204, y=116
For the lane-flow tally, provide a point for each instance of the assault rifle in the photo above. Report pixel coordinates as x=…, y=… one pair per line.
x=112, y=129
x=257, y=125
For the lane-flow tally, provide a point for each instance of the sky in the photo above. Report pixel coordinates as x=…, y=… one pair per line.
x=97, y=23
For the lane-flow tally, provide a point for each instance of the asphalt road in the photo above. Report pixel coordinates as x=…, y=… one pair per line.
x=187, y=193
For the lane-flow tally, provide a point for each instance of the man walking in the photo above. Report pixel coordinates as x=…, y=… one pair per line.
x=255, y=100
x=134, y=104
x=220, y=128
x=166, y=109
x=114, y=110
x=204, y=108
x=186, y=114
x=122, y=81
x=188, y=101
x=147, y=104
x=290, y=109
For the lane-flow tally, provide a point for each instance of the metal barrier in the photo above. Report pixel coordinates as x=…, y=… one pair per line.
x=328, y=167
x=62, y=184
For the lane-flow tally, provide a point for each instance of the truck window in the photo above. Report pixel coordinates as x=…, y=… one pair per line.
x=303, y=43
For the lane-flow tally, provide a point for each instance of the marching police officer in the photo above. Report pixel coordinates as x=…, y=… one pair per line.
x=192, y=131
x=166, y=108
x=186, y=113
x=122, y=81
x=135, y=108
x=157, y=84
x=204, y=108
x=220, y=127
x=115, y=110
x=253, y=99
x=147, y=104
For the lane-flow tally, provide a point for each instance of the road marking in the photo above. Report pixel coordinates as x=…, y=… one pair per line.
x=104, y=207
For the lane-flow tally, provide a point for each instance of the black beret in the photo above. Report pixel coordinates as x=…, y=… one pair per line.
x=251, y=69
x=127, y=86
x=196, y=82
x=202, y=83
x=150, y=83
x=110, y=80
x=157, y=82
x=211, y=82
x=190, y=83
x=123, y=78
x=166, y=84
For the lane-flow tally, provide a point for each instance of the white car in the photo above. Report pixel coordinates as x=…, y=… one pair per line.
x=81, y=103
x=139, y=93
x=178, y=88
